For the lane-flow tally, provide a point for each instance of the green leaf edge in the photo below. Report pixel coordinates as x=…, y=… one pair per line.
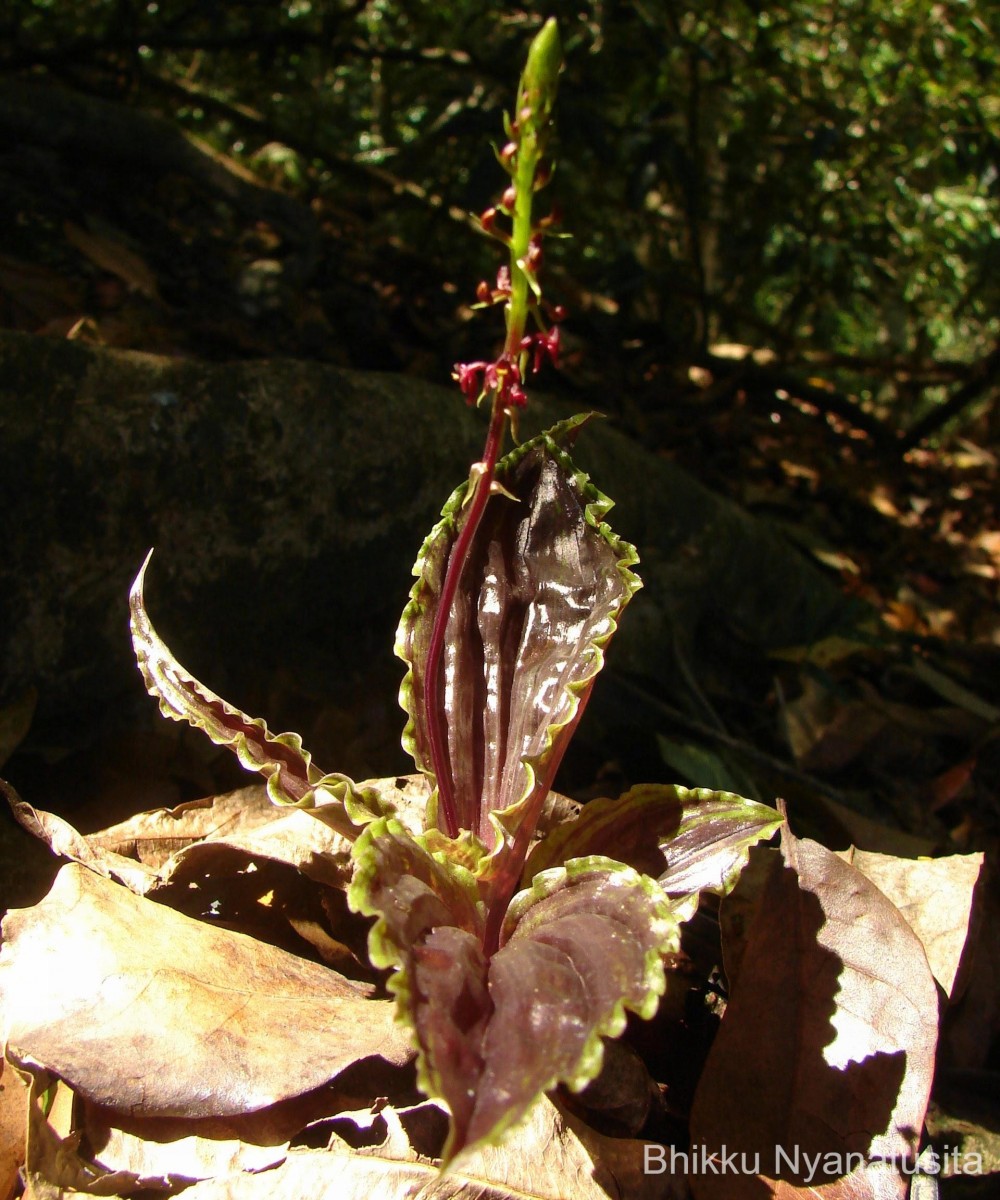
x=663, y=925
x=384, y=952
x=653, y=985
x=383, y=949
x=344, y=806
x=548, y=852
x=596, y=505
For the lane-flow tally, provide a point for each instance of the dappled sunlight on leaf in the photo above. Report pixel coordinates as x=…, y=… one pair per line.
x=834, y=986
x=690, y=839
x=184, y=1020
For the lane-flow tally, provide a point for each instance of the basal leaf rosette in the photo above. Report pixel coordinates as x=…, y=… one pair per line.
x=689, y=839
x=292, y=777
x=578, y=949
x=540, y=596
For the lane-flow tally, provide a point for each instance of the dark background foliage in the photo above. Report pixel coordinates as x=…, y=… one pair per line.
x=782, y=273
x=815, y=180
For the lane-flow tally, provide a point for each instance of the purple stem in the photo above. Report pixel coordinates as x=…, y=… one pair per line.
x=434, y=708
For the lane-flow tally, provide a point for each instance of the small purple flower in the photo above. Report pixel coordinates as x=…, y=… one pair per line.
x=467, y=375
x=547, y=346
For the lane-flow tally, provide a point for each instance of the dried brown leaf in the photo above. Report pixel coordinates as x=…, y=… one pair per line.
x=972, y=1025
x=53, y=1170
x=827, y=1046
x=550, y=1157
x=144, y=851
x=145, y=1010
x=106, y=249
x=13, y=1120
x=62, y=839
x=157, y=1150
x=935, y=896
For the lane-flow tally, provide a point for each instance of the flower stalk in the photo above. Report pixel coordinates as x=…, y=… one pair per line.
x=501, y=382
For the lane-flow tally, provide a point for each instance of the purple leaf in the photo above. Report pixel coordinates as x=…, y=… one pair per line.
x=579, y=948
x=689, y=839
x=292, y=777
x=540, y=595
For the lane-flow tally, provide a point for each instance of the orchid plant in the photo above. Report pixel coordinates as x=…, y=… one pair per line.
x=511, y=957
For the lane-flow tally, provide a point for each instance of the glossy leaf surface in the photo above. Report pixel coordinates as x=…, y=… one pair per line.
x=690, y=839
x=581, y=946
x=539, y=597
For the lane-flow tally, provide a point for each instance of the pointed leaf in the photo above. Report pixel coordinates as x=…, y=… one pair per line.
x=690, y=839
x=292, y=778
x=579, y=948
x=827, y=1044
x=141, y=1008
x=540, y=596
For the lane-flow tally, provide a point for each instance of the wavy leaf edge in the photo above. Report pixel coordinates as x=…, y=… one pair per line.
x=595, y=505
x=604, y=812
x=334, y=798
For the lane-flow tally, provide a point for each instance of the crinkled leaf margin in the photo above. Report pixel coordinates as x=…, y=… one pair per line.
x=512, y=822
x=479, y=1019
x=292, y=777
x=689, y=839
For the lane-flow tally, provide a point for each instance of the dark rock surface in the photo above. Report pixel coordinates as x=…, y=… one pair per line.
x=286, y=502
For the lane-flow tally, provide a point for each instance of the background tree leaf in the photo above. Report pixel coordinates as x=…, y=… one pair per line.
x=828, y=1039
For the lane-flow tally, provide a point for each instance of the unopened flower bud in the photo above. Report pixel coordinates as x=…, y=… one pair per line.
x=533, y=258
x=508, y=200
x=541, y=71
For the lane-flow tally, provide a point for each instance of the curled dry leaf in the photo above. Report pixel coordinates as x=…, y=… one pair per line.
x=550, y=1157
x=935, y=897
x=184, y=1020
x=827, y=1046
x=145, y=851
